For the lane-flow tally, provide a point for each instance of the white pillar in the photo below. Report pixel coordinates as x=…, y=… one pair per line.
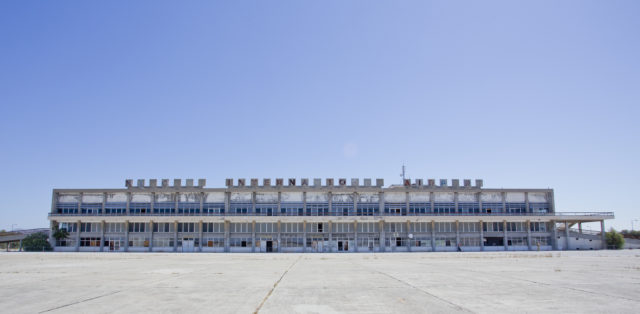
x=481, y=235
x=604, y=238
x=77, y=236
x=529, y=234
x=304, y=234
x=126, y=236
x=433, y=235
x=505, y=238
x=151, y=236
x=200, y=236
x=102, y=227
x=175, y=236
x=566, y=235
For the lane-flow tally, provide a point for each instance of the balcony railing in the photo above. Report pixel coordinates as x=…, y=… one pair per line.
x=342, y=214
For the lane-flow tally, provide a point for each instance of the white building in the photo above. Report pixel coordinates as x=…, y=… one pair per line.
x=304, y=217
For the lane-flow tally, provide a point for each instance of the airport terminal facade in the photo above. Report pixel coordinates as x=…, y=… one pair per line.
x=312, y=216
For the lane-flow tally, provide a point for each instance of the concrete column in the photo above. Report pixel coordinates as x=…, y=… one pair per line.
x=177, y=202
x=102, y=227
x=227, y=225
x=330, y=227
x=227, y=205
x=433, y=233
x=200, y=236
x=253, y=235
x=457, y=233
x=381, y=225
x=20, y=247
x=201, y=203
x=529, y=234
x=128, y=209
x=526, y=203
x=604, y=238
x=104, y=201
x=175, y=236
x=279, y=228
x=77, y=236
x=380, y=203
x=278, y=214
x=355, y=206
x=580, y=228
x=80, y=203
x=455, y=201
x=52, y=240
x=505, y=238
x=330, y=204
x=304, y=233
x=153, y=202
x=355, y=235
x=431, y=201
x=481, y=234
x=151, y=236
x=253, y=202
x=406, y=203
x=126, y=236
x=479, y=197
x=408, y=232
x=554, y=235
x=504, y=203
x=566, y=235
x=304, y=208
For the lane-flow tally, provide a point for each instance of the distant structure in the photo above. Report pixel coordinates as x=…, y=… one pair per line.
x=309, y=216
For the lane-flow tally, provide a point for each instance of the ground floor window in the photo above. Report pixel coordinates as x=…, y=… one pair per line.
x=113, y=243
x=494, y=241
x=66, y=242
x=421, y=242
x=369, y=241
x=138, y=241
x=517, y=241
x=90, y=241
x=395, y=241
x=470, y=241
x=540, y=241
x=162, y=242
x=292, y=241
x=240, y=242
x=443, y=241
x=213, y=242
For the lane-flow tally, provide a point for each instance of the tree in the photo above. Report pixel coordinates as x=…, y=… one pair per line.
x=60, y=234
x=36, y=242
x=614, y=239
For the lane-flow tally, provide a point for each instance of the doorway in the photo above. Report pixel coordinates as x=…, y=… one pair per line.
x=187, y=245
x=113, y=245
x=269, y=246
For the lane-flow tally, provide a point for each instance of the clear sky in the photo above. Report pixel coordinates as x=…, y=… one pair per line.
x=521, y=94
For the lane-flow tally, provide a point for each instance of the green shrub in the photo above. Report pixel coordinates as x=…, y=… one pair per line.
x=36, y=242
x=614, y=239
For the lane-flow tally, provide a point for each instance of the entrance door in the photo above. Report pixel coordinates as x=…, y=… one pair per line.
x=187, y=245
x=269, y=246
x=340, y=248
x=114, y=245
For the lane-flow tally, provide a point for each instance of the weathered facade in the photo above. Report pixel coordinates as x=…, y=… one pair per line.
x=304, y=216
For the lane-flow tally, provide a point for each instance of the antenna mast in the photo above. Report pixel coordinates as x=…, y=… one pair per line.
x=403, y=173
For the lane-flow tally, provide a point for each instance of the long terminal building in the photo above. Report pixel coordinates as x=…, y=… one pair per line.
x=340, y=216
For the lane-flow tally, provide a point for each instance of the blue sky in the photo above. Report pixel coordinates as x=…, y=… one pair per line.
x=521, y=94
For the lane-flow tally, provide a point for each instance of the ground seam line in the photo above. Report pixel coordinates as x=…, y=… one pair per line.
x=275, y=285
x=85, y=300
x=420, y=289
